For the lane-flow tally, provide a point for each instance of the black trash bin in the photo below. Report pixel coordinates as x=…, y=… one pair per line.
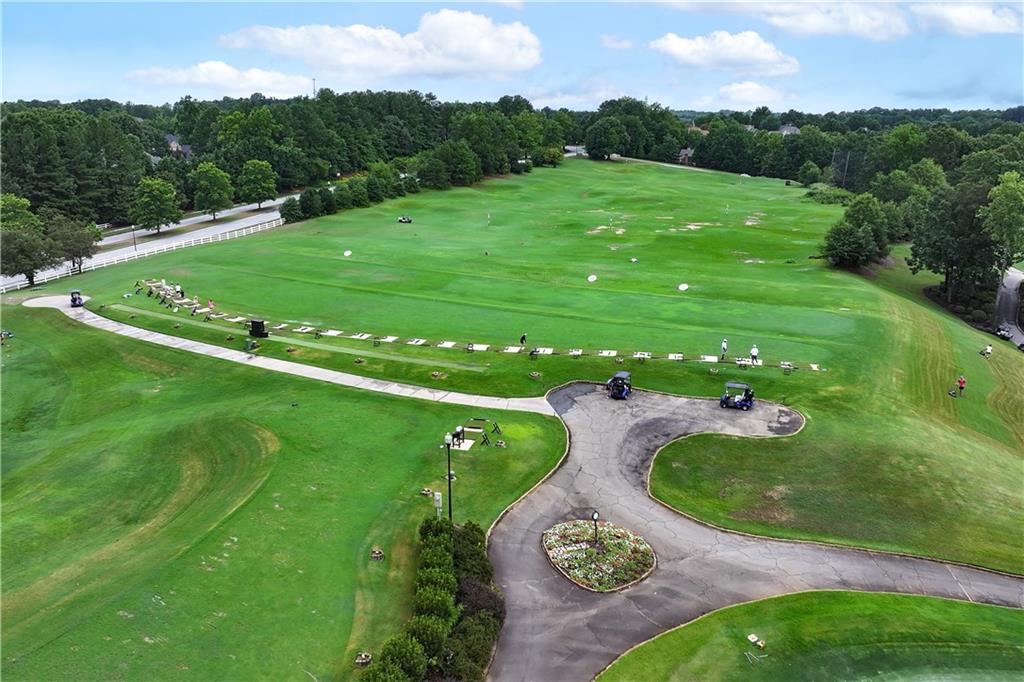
x=258, y=329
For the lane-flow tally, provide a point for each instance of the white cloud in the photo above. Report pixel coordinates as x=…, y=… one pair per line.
x=871, y=20
x=613, y=43
x=225, y=79
x=586, y=96
x=968, y=19
x=515, y=4
x=743, y=96
x=744, y=52
x=446, y=43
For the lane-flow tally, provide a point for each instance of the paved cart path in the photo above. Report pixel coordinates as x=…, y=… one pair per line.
x=556, y=631
x=62, y=303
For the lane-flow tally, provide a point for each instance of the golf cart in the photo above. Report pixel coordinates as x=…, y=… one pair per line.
x=1004, y=332
x=737, y=395
x=619, y=386
x=404, y=219
x=76, y=299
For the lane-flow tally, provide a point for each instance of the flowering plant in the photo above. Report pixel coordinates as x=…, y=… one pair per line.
x=618, y=558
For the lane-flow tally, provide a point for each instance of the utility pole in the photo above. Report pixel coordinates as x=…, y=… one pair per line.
x=314, y=88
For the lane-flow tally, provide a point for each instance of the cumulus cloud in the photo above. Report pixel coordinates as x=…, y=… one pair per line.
x=446, y=43
x=968, y=19
x=744, y=52
x=613, y=43
x=587, y=95
x=874, y=20
x=749, y=94
x=225, y=79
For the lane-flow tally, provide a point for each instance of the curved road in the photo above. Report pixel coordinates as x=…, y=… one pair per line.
x=557, y=631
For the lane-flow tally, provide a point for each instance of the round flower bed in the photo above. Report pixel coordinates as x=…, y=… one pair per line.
x=619, y=559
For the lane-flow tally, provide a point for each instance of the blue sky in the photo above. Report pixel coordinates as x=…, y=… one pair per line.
x=811, y=56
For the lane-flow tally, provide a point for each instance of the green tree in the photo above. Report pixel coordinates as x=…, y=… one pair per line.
x=212, y=188
x=291, y=211
x=374, y=190
x=809, y=173
x=384, y=671
x=257, y=182
x=865, y=211
x=848, y=246
x=24, y=247
x=310, y=203
x=406, y=653
x=461, y=164
x=432, y=172
x=894, y=186
x=357, y=188
x=606, y=137
x=26, y=252
x=342, y=196
x=328, y=202
x=154, y=204
x=15, y=213
x=431, y=632
x=432, y=601
x=1003, y=218
x=928, y=174
x=74, y=239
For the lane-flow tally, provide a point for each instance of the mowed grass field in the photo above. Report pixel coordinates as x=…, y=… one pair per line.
x=836, y=636
x=887, y=459
x=172, y=516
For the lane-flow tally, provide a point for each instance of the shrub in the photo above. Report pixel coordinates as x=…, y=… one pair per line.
x=435, y=557
x=829, y=195
x=342, y=195
x=979, y=315
x=433, y=601
x=357, y=187
x=477, y=597
x=411, y=184
x=291, y=212
x=435, y=526
x=374, y=189
x=440, y=578
x=471, y=643
x=431, y=632
x=384, y=671
x=310, y=203
x=471, y=553
x=407, y=654
x=329, y=204
x=809, y=173
x=848, y=245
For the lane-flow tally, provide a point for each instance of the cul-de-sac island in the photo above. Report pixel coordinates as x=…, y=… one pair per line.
x=526, y=342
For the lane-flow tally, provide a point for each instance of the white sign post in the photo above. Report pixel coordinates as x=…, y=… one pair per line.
x=437, y=503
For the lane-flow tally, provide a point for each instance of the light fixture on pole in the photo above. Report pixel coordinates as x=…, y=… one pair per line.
x=594, y=516
x=448, y=475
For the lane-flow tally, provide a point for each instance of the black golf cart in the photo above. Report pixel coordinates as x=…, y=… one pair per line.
x=619, y=386
x=737, y=395
x=76, y=299
x=405, y=220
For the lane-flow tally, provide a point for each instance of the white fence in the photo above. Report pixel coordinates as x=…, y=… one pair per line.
x=136, y=255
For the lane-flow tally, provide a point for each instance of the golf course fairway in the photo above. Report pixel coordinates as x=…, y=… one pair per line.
x=836, y=636
x=888, y=460
x=184, y=515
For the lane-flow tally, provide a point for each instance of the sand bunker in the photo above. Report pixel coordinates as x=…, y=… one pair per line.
x=753, y=260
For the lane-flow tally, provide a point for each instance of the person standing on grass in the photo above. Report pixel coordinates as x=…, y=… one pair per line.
x=725, y=347
x=988, y=350
x=961, y=383
x=753, y=354
x=522, y=339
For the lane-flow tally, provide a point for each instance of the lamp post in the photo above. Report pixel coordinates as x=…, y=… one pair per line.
x=448, y=475
x=594, y=516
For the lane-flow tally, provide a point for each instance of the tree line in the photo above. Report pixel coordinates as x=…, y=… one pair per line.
x=102, y=162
